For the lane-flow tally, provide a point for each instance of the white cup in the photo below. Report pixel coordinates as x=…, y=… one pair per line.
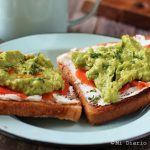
x=26, y=17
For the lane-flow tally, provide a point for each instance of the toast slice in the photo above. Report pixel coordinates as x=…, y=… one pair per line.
x=99, y=114
x=59, y=103
x=58, y=107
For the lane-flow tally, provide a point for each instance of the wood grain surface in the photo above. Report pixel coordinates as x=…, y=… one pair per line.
x=133, y=12
x=101, y=25
x=97, y=25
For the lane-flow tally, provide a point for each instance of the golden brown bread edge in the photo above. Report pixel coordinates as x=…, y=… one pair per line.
x=102, y=114
x=41, y=109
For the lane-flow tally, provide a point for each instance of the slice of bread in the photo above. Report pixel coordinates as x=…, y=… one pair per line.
x=62, y=103
x=66, y=107
x=104, y=113
x=41, y=109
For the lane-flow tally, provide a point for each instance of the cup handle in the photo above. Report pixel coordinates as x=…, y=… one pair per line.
x=86, y=16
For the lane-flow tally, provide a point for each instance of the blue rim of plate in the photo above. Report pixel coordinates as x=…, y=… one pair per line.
x=66, y=144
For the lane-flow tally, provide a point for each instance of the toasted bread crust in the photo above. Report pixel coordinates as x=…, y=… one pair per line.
x=102, y=114
x=41, y=109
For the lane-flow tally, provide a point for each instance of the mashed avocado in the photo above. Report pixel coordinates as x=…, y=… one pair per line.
x=114, y=66
x=32, y=75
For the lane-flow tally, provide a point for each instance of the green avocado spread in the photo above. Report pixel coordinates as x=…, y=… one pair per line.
x=29, y=74
x=114, y=66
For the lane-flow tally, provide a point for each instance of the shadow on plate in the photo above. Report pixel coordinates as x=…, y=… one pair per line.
x=82, y=125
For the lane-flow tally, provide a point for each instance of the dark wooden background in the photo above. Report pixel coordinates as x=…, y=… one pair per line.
x=101, y=25
x=96, y=25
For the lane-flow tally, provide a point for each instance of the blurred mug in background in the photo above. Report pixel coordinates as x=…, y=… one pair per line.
x=26, y=17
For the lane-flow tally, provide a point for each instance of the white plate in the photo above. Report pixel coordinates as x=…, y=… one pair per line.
x=66, y=132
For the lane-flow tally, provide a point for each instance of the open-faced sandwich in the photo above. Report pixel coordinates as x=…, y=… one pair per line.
x=111, y=79
x=30, y=86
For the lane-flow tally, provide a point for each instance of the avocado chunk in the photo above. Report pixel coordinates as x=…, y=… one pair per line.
x=114, y=66
x=29, y=74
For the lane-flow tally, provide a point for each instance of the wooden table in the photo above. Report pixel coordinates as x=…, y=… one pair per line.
x=101, y=25
x=96, y=25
